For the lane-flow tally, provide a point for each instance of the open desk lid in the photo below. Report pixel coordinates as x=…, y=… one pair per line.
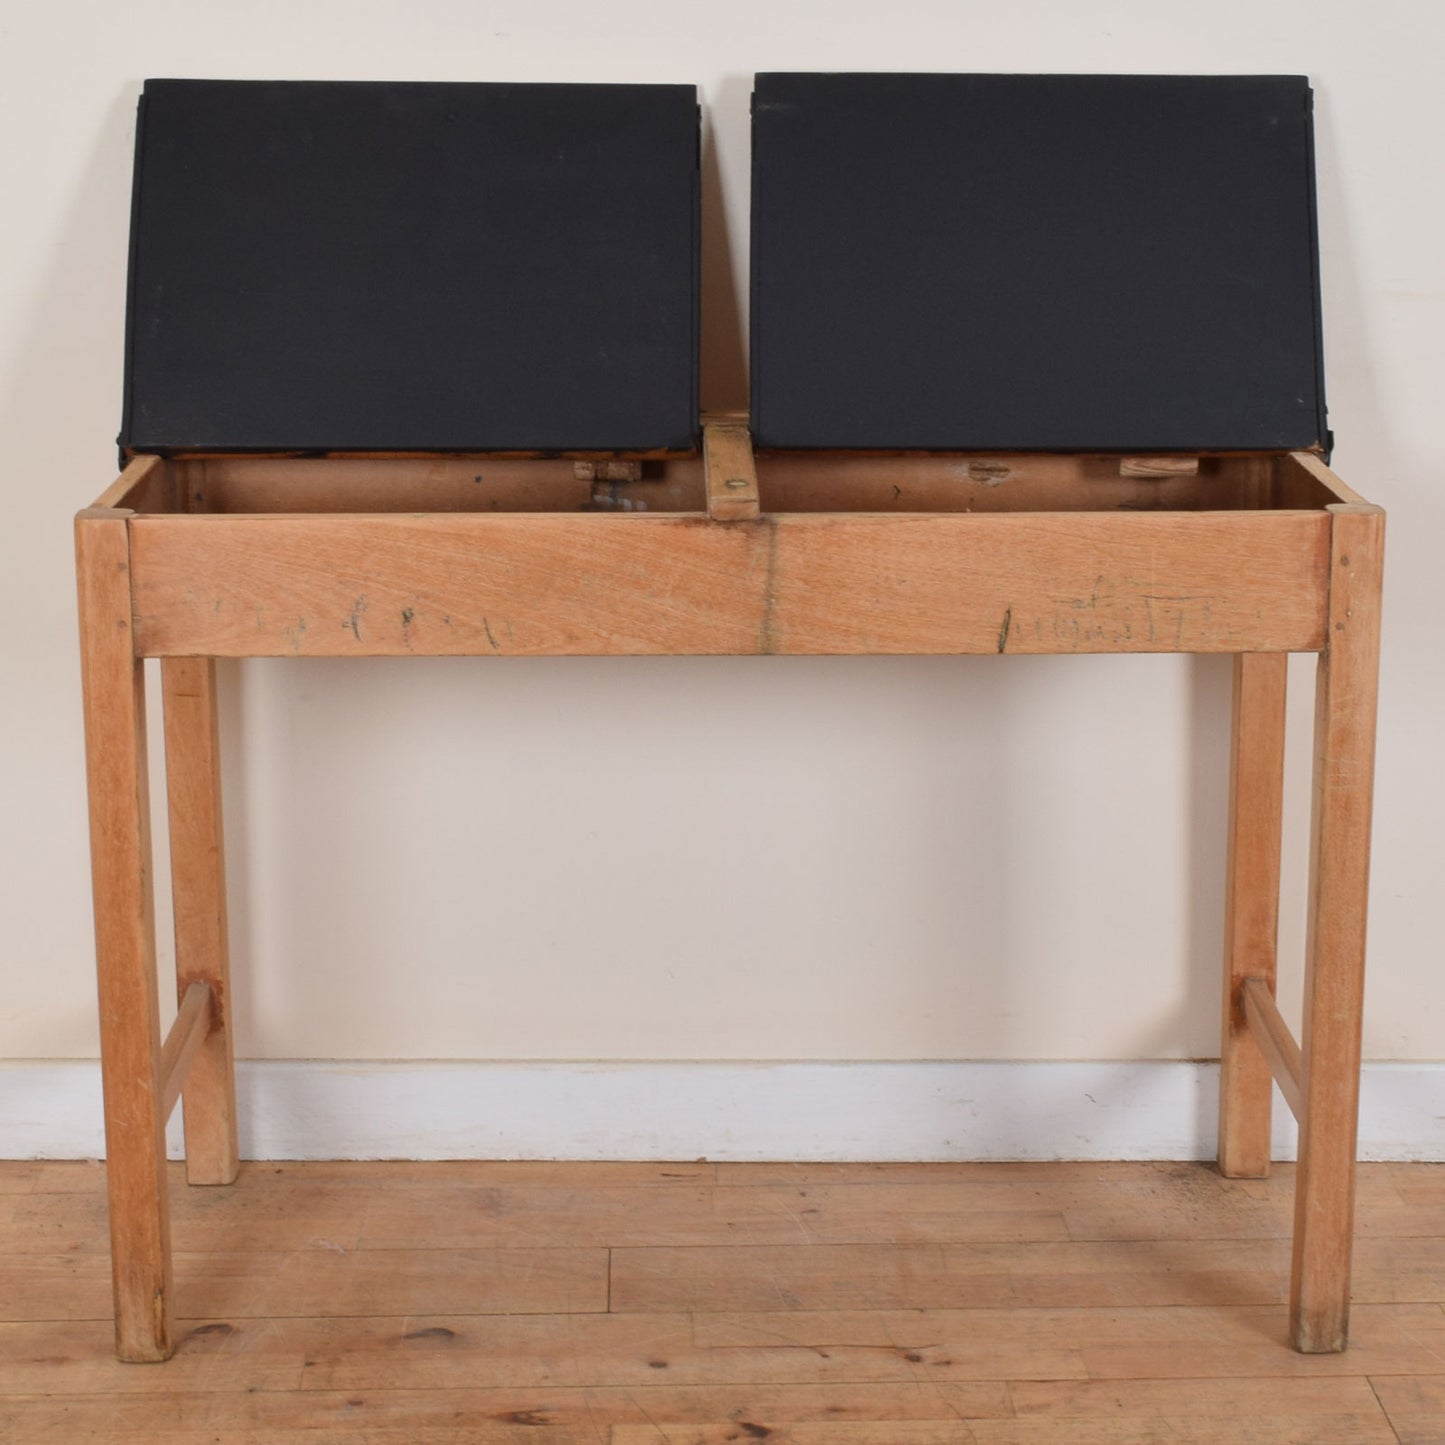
x=348, y=266
x=1035, y=262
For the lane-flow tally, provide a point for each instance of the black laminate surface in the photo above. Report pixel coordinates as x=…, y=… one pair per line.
x=1055, y=262
x=413, y=266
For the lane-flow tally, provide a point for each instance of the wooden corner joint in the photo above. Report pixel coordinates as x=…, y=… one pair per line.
x=141, y=473
x=731, y=472
x=194, y=1020
x=1356, y=575
x=1269, y=1030
x=103, y=514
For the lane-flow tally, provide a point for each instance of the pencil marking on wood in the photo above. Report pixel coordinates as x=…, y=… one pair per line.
x=1008, y=618
x=296, y=633
x=1157, y=608
x=492, y=641
x=354, y=620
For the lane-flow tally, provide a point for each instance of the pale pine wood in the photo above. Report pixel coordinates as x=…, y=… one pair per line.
x=303, y=1208
x=1415, y=1406
x=198, y=892
x=1269, y=1030
x=1014, y=482
x=1419, y=1184
x=1251, y=904
x=608, y=471
x=800, y=584
x=793, y=481
x=115, y=750
x=538, y=1414
x=730, y=473
x=1321, y=1398
x=494, y=1172
x=429, y=455
x=1040, y=584
x=1056, y=1172
x=805, y=1276
x=1345, y=697
x=326, y=1279
x=1156, y=467
x=792, y=1432
x=183, y=1043
x=448, y=585
x=53, y=1176
x=437, y=484
x=1147, y=1430
x=329, y=1281
x=1397, y=1334
x=300, y=1348
x=1257, y=1430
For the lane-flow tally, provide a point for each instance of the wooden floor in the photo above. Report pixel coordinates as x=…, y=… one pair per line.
x=692, y=1304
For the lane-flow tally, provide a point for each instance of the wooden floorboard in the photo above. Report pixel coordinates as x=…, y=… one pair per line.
x=695, y=1304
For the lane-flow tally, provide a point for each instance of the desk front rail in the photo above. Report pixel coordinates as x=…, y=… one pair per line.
x=549, y=584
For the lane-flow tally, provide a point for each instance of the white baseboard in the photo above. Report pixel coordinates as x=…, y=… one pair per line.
x=803, y=1111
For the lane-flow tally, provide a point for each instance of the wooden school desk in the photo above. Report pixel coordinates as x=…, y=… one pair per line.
x=212, y=550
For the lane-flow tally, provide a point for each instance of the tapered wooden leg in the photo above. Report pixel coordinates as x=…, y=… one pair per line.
x=130, y=1045
x=198, y=884
x=1251, y=909
x=1335, y=963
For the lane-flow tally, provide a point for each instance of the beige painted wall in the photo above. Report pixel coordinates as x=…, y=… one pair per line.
x=735, y=859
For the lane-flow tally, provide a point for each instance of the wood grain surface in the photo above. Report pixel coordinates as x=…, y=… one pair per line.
x=125, y=943
x=649, y=1304
x=514, y=585
x=1344, y=774
x=1251, y=904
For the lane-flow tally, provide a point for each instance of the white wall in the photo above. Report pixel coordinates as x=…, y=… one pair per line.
x=737, y=859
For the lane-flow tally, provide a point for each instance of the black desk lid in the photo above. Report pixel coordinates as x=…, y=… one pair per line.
x=450, y=267
x=1035, y=262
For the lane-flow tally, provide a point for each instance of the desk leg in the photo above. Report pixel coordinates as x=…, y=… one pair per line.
x=1335, y=950
x=198, y=885
x=115, y=749
x=1251, y=908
